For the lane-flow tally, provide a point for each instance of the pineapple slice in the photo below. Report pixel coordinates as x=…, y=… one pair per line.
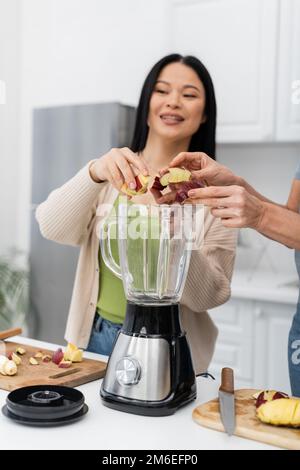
x=281, y=412
x=73, y=354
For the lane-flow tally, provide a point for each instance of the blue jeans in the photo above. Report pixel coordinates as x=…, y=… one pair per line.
x=103, y=336
x=294, y=354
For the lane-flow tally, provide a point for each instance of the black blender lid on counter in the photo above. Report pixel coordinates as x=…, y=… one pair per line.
x=45, y=405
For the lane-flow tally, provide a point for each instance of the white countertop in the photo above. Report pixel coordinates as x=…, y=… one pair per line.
x=103, y=428
x=264, y=286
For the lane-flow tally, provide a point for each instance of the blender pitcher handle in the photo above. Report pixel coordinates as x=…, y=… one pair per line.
x=106, y=248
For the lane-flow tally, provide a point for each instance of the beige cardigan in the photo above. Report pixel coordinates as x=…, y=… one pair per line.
x=70, y=216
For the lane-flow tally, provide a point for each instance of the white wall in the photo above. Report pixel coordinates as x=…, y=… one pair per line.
x=9, y=121
x=270, y=168
x=76, y=51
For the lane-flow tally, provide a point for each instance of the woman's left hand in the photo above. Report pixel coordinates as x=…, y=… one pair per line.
x=232, y=204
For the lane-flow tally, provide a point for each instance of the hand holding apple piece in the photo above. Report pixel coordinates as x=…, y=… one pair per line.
x=204, y=168
x=179, y=181
x=141, y=182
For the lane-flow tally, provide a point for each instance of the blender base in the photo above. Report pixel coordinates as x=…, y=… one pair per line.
x=150, y=371
x=165, y=408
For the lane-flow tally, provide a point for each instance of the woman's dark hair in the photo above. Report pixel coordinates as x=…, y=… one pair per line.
x=204, y=140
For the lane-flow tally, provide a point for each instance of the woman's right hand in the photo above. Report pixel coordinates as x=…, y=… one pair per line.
x=204, y=169
x=118, y=166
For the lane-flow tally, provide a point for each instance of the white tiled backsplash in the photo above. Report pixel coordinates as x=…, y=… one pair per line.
x=270, y=169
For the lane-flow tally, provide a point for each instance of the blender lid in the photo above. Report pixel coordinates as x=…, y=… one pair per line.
x=45, y=405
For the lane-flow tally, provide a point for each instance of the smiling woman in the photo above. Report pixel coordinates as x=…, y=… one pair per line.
x=177, y=101
x=176, y=113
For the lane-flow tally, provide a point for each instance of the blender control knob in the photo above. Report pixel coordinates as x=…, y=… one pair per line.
x=128, y=371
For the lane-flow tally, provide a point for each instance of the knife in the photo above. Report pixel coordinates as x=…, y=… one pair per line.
x=226, y=400
x=7, y=334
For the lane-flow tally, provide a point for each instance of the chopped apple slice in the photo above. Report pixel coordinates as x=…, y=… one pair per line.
x=157, y=184
x=269, y=395
x=21, y=351
x=182, y=193
x=46, y=358
x=141, y=182
x=65, y=364
x=3, y=360
x=33, y=361
x=175, y=175
x=255, y=395
x=57, y=356
x=10, y=368
x=38, y=355
x=14, y=357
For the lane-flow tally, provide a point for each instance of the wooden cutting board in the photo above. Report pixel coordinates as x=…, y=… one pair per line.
x=247, y=424
x=49, y=373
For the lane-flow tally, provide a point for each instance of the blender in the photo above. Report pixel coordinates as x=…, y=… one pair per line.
x=150, y=371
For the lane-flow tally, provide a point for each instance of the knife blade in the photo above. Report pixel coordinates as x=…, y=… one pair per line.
x=226, y=400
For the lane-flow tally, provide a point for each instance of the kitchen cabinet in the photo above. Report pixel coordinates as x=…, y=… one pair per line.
x=288, y=99
x=234, y=344
x=236, y=40
x=251, y=48
x=252, y=339
x=272, y=323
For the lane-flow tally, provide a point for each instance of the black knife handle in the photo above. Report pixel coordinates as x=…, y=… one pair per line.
x=227, y=382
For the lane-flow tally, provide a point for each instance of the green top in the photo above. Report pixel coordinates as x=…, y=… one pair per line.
x=111, y=303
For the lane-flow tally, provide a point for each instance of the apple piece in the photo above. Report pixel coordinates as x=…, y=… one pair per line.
x=280, y=395
x=65, y=364
x=138, y=182
x=141, y=182
x=14, y=357
x=38, y=355
x=3, y=361
x=57, y=356
x=182, y=193
x=21, y=351
x=33, y=361
x=269, y=395
x=46, y=358
x=10, y=368
x=157, y=184
x=175, y=175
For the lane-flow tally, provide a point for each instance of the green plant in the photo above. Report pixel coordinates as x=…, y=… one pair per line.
x=14, y=283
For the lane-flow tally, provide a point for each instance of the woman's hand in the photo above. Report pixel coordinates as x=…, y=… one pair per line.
x=169, y=197
x=118, y=166
x=232, y=204
x=205, y=169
